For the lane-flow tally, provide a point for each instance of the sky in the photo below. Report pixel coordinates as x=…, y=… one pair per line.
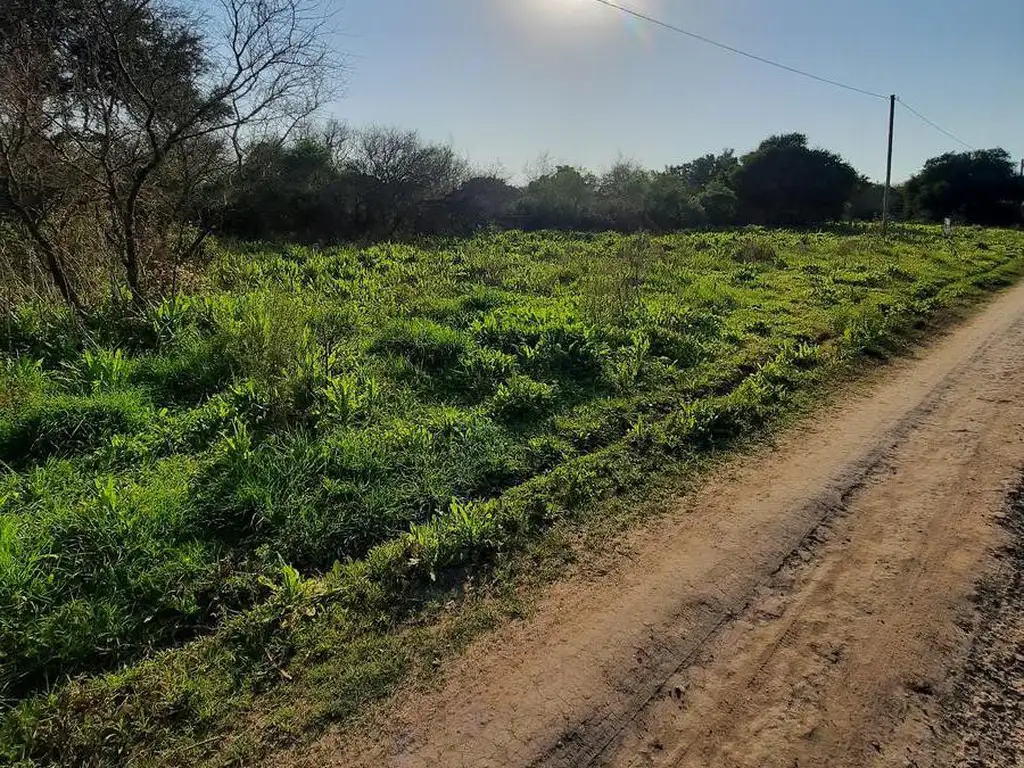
x=505, y=81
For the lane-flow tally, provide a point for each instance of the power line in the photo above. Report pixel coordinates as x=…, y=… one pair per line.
x=724, y=47
x=665, y=25
x=937, y=127
x=679, y=30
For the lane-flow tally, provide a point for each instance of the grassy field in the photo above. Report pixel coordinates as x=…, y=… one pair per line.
x=256, y=485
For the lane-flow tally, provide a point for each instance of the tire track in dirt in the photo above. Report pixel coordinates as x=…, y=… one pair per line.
x=982, y=725
x=806, y=606
x=840, y=660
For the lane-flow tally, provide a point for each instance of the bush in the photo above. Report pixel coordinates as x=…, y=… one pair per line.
x=67, y=424
x=192, y=370
x=262, y=335
x=482, y=370
x=545, y=341
x=611, y=288
x=431, y=346
x=100, y=370
x=41, y=331
x=754, y=251
x=466, y=531
x=522, y=399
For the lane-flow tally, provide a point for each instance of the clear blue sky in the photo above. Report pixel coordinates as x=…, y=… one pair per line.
x=504, y=80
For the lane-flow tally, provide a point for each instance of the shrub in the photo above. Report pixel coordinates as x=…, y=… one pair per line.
x=21, y=380
x=191, y=370
x=465, y=531
x=611, y=287
x=548, y=451
x=262, y=335
x=100, y=370
x=510, y=329
x=575, y=351
x=68, y=424
x=756, y=251
x=432, y=346
x=625, y=366
x=521, y=399
x=41, y=330
x=172, y=318
x=481, y=370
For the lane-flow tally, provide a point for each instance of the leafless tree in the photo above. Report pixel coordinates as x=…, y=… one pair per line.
x=337, y=137
x=396, y=157
x=119, y=117
x=405, y=170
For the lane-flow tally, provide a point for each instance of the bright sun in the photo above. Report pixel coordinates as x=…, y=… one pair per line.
x=583, y=11
x=579, y=21
x=573, y=10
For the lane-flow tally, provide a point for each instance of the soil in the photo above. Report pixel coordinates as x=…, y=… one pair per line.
x=848, y=596
x=984, y=715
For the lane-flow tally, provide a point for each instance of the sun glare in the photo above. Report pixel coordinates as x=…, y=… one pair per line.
x=552, y=11
x=581, y=13
x=558, y=24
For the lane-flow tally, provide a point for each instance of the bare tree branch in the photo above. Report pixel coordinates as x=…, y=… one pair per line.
x=119, y=110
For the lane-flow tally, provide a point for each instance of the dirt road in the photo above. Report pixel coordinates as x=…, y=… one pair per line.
x=812, y=605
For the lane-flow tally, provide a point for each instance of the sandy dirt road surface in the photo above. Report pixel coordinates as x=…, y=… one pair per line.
x=813, y=604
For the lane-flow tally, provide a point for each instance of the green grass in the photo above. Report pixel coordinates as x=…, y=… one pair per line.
x=271, y=486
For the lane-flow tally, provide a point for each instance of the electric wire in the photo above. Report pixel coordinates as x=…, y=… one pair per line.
x=665, y=25
x=934, y=125
x=793, y=70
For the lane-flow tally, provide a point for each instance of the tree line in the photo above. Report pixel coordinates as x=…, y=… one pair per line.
x=330, y=184
x=127, y=138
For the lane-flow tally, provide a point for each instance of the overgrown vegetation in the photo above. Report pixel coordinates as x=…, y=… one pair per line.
x=332, y=184
x=253, y=484
x=234, y=476
x=133, y=130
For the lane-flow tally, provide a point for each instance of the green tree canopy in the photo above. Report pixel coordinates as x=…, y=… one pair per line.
x=562, y=199
x=980, y=187
x=785, y=183
x=709, y=169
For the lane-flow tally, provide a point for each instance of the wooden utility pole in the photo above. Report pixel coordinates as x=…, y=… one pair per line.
x=888, y=167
